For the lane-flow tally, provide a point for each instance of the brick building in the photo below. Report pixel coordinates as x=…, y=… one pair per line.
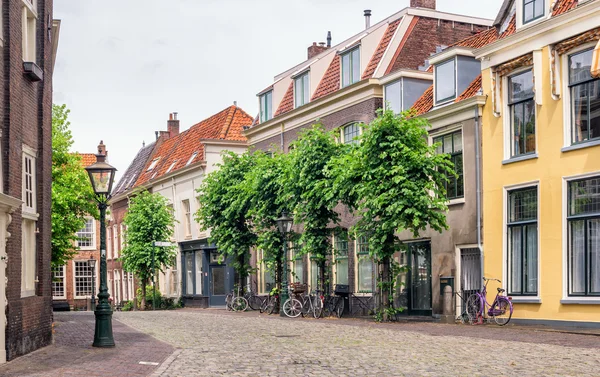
x=344, y=85
x=29, y=40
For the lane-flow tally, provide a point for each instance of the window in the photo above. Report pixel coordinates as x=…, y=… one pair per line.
x=301, y=90
x=122, y=236
x=522, y=113
x=350, y=133
x=445, y=81
x=29, y=183
x=452, y=144
x=153, y=164
x=28, y=23
x=115, y=238
x=267, y=278
x=187, y=221
x=584, y=237
x=83, y=279
x=340, y=252
x=266, y=106
x=314, y=275
x=28, y=258
x=109, y=254
x=297, y=262
x=192, y=157
x=393, y=97
x=402, y=94
x=86, y=237
x=522, y=238
x=351, y=67
x=532, y=10
x=364, y=276
x=172, y=166
x=585, y=98
x=58, y=282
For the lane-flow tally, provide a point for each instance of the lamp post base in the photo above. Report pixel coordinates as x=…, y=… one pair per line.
x=103, y=335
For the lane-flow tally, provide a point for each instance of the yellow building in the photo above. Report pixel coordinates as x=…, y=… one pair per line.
x=541, y=160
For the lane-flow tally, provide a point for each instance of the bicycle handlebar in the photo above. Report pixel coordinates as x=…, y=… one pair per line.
x=487, y=279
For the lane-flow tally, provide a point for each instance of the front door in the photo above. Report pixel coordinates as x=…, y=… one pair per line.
x=415, y=292
x=217, y=285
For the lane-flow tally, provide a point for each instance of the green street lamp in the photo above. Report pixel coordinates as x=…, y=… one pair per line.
x=284, y=223
x=102, y=176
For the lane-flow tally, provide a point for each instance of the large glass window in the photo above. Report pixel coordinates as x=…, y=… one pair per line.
x=522, y=113
x=267, y=277
x=58, y=282
x=266, y=106
x=445, y=81
x=523, y=241
x=351, y=133
x=585, y=99
x=340, y=246
x=86, y=236
x=365, y=266
x=351, y=67
x=452, y=144
x=393, y=97
x=532, y=10
x=584, y=237
x=297, y=262
x=314, y=275
x=187, y=218
x=83, y=279
x=301, y=90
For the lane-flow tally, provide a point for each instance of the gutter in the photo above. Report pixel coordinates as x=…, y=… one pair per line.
x=478, y=186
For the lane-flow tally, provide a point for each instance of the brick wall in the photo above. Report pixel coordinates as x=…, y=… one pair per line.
x=26, y=120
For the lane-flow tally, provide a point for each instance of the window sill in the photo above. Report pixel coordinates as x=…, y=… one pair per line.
x=30, y=215
x=456, y=201
x=580, y=301
x=87, y=248
x=28, y=293
x=520, y=158
x=363, y=294
x=585, y=144
x=526, y=300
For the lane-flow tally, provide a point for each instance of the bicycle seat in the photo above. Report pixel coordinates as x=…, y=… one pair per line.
x=500, y=290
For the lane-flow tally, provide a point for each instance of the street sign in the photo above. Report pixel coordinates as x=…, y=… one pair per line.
x=163, y=244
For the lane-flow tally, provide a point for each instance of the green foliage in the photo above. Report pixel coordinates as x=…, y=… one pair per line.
x=224, y=207
x=128, y=306
x=148, y=219
x=72, y=194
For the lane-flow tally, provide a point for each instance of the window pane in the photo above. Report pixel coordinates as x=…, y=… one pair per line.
x=579, y=112
x=305, y=88
x=440, y=148
x=594, y=108
x=458, y=168
x=522, y=205
x=518, y=145
x=341, y=244
x=355, y=65
x=457, y=141
x=584, y=196
x=189, y=270
x=345, y=70
x=528, y=11
x=314, y=275
x=531, y=259
x=538, y=8
x=393, y=97
x=299, y=271
x=515, y=255
x=198, y=255
x=577, y=256
x=529, y=126
x=341, y=269
x=298, y=92
x=580, y=66
x=445, y=81
x=365, y=274
x=594, y=254
x=351, y=133
x=520, y=86
x=448, y=143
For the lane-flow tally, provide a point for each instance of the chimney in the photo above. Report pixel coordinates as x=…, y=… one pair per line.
x=316, y=49
x=173, y=125
x=329, y=39
x=429, y=4
x=367, y=18
x=102, y=149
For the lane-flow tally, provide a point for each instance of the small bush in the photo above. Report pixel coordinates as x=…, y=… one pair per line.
x=127, y=306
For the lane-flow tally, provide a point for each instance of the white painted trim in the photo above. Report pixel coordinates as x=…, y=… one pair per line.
x=505, y=191
x=450, y=53
x=409, y=73
x=507, y=118
x=93, y=246
x=392, y=47
x=431, y=13
x=456, y=94
x=96, y=282
x=519, y=14
x=454, y=112
x=64, y=277
x=538, y=79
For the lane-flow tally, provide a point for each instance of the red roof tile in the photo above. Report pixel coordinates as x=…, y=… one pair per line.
x=287, y=103
x=383, y=45
x=425, y=102
x=478, y=40
x=402, y=43
x=563, y=6
x=511, y=29
x=471, y=91
x=330, y=81
x=178, y=151
x=87, y=159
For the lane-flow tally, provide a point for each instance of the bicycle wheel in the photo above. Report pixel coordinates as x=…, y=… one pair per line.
x=339, y=308
x=317, y=306
x=254, y=302
x=292, y=308
x=502, y=311
x=273, y=306
x=305, y=305
x=228, y=300
x=264, y=304
x=473, y=307
x=239, y=304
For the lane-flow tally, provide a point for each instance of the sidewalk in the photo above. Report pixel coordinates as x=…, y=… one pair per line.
x=73, y=354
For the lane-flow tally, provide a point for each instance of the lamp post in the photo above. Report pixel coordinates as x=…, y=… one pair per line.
x=102, y=176
x=284, y=223
x=92, y=266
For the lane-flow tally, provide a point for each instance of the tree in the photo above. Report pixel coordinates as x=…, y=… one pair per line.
x=72, y=192
x=224, y=207
x=148, y=219
x=394, y=181
x=310, y=191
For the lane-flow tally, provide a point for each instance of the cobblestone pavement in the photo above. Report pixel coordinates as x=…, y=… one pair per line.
x=218, y=343
x=72, y=353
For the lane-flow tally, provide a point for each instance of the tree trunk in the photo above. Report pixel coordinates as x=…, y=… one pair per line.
x=385, y=291
x=321, y=284
x=278, y=273
x=144, y=283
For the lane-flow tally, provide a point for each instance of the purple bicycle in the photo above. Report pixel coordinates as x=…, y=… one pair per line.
x=500, y=310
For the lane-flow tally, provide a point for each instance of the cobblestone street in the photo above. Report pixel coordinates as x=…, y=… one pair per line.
x=215, y=342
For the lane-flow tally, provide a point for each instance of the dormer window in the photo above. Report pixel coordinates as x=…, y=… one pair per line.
x=172, y=166
x=266, y=106
x=192, y=157
x=153, y=164
x=532, y=10
x=301, y=90
x=402, y=94
x=454, y=75
x=445, y=81
x=351, y=67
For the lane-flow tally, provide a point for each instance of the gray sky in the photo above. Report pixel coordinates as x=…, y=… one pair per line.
x=124, y=65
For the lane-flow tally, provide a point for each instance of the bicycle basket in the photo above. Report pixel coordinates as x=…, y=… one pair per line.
x=298, y=287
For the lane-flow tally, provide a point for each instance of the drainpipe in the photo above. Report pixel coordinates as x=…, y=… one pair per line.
x=282, y=145
x=478, y=182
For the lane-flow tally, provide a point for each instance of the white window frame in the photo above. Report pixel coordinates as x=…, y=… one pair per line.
x=192, y=157
x=261, y=281
x=447, y=130
x=266, y=114
x=305, y=101
x=29, y=18
x=186, y=211
x=522, y=299
x=171, y=167
x=28, y=257
x=122, y=236
x=95, y=277
x=109, y=253
x=566, y=299
x=449, y=99
x=507, y=118
x=349, y=53
x=566, y=99
x=64, y=283
x=93, y=236
x=520, y=14
x=29, y=211
x=334, y=256
x=356, y=267
x=153, y=164
x=342, y=128
x=114, y=241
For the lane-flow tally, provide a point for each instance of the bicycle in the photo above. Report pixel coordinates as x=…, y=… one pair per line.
x=271, y=303
x=463, y=317
x=500, y=310
x=333, y=305
x=235, y=302
x=292, y=307
x=255, y=302
x=312, y=304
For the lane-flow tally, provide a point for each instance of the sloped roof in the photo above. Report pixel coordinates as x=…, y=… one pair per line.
x=330, y=81
x=381, y=48
x=134, y=169
x=472, y=90
x=425, y=102
x=563, y=6
x=287, y=103
x=186, y=148
x=478, y=40
x=87, y=159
